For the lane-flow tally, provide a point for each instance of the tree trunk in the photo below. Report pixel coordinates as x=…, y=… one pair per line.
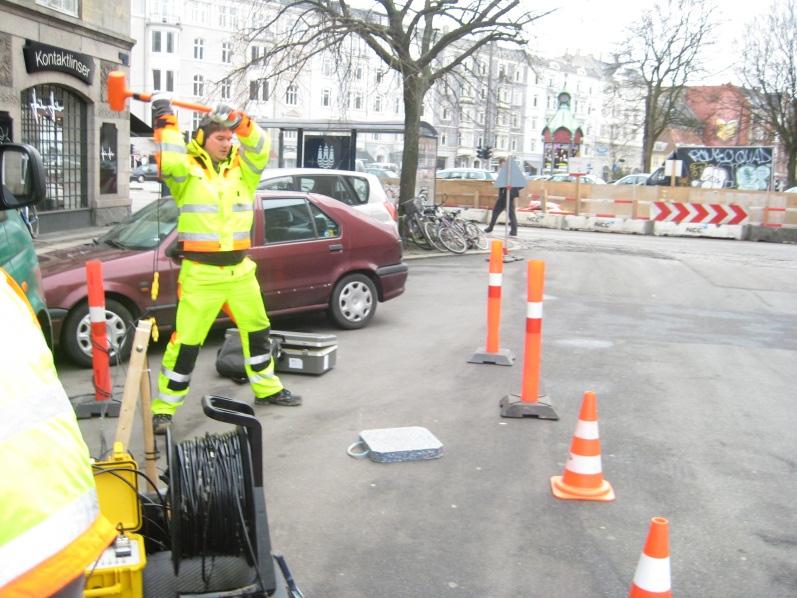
x=647, y=137
x=414, y=91
x=791, y=166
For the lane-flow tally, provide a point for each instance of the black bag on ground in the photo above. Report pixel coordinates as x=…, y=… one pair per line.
x=230, y=357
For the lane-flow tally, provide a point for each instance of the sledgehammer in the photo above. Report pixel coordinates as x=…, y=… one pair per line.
x=118, y=94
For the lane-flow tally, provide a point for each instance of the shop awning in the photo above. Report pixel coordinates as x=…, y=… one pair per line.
x=138, y=128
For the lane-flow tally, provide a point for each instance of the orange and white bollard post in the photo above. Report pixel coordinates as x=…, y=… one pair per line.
x=529, y=404
x=491, y=352
x=99, y=348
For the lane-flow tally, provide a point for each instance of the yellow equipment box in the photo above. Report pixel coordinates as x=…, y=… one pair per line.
x=118, y=571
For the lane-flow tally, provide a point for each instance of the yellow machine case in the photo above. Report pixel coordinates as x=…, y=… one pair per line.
x=117, y=490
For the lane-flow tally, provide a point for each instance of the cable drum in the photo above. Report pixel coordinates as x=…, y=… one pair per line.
x=211, y=497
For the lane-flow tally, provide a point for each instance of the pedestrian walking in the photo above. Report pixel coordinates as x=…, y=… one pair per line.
x=501, y=205
x=213, y=183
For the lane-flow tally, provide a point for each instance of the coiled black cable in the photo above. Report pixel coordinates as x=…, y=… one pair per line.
x=212, y=511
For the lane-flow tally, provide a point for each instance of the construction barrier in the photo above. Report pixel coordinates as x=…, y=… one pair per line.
x=529, y=404
x=652, y=575
x=583, y=474
x=99, y=332
x=491, y=352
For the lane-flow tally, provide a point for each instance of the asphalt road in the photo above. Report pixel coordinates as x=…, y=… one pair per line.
x=691, y=347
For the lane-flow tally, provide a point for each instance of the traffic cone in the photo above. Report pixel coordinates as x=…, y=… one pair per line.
x=583, y=477
x=652, y=575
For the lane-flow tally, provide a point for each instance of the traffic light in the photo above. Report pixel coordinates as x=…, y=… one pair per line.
x=484, y=152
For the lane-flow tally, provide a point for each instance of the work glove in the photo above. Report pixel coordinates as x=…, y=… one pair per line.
x=226, y=116
x=161, y=108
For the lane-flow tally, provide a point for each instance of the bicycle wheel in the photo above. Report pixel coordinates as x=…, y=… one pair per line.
x=415, y=229
x=452, y=240
x=432, y=232
x=476, y=237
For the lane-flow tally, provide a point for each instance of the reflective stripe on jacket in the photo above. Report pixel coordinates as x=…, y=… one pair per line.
x=50, y=524
x=215, y=207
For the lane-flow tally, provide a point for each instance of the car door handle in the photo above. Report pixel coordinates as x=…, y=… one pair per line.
x=336, y=247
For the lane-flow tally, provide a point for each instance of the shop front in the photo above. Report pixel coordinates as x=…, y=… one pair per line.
x=52, y=96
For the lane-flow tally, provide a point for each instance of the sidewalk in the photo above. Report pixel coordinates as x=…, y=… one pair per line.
x=64, y=239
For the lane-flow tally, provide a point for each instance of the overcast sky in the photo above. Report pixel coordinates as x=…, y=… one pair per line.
x=595, y=25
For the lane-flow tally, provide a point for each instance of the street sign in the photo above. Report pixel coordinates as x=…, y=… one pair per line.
x=578, y=166
x=510, y=175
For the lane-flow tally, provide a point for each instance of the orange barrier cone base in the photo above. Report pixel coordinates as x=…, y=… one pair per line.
x=88, y=407
x=500, y=357
x=512, y=406
x=603, y=493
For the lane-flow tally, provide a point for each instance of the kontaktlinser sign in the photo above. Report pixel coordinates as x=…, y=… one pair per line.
x=41, y=57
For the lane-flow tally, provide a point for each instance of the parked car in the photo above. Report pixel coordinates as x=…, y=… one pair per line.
x=639, y=178
x=381, y=173
x=313, y=253
x=145, y=172
x=470, y=174
x=360, y=190
x=588, y=179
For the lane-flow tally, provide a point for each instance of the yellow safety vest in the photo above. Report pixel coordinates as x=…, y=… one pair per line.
x=216, y=208
x=50, y=524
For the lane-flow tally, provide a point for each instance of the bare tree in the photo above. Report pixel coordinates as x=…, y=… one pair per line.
x=413, y=38
x=769, y=71
x=661, y=54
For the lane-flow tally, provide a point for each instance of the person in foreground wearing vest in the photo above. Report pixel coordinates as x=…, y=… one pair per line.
x=213, y=183
x=51, y=529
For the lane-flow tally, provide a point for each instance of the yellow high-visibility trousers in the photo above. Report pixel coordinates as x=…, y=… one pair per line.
x=203, y=291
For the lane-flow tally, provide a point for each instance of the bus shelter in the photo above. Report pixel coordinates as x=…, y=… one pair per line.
x=355, y=145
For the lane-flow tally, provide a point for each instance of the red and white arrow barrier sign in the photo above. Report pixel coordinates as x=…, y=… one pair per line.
x=706, y=213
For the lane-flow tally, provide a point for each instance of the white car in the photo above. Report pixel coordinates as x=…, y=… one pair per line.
x=360, y=190
x=470, y=174
x=639, y=178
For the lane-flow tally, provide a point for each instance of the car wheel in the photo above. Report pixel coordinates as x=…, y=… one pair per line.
x=76, y=335
x=353, y=302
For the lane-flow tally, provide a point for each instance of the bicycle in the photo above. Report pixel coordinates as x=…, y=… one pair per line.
x=31, y=218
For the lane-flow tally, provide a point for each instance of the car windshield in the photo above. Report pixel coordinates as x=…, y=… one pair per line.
x=146, y=228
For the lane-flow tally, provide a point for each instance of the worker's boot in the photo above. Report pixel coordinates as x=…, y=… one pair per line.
x=161, y=421
x=283, y=397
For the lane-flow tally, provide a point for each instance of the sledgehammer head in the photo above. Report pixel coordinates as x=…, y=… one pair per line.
x=117, y=91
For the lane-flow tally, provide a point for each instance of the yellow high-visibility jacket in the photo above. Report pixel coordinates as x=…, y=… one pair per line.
x=215, y=207
x=51, y=528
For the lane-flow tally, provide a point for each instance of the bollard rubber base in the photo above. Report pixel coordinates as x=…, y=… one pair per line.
x=501, y=357
x=512, y=406
x=88, y=407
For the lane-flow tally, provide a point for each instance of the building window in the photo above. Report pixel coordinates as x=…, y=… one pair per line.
x=443, y=139
x=196, y=118
x=200, y=12
x=514, y=120
x=358, y=101
x=292, y=95
x=67, y=6
x=534, y=101
x=379, y=76
x=226, y=52
x=224, y=15
x=199, y=85
x=481, y=118
x=199, y=48
x=328, y=67
x=326, y=97
x=258, y=90
x=156, y=41
x=358, y=72
x=255, y=53
x=226, y=88
x=514, y=145
x=170, y=42
x=397, y=105
x=446, y=114
x=378, y=104
x=169, y=80
x=156, y=80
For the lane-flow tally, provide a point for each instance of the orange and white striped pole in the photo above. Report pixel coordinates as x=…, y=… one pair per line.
x=491, y=352
x=99, y=331
x=529, y=404
x=652, y=575
x=583, y=475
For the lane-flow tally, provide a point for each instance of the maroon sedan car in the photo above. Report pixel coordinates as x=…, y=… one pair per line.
x=312, y=253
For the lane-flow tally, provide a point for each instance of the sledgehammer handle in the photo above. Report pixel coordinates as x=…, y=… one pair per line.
x=147, y=97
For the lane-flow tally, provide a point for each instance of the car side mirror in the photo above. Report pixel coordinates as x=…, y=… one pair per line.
x=173, y=251
x=22, y=175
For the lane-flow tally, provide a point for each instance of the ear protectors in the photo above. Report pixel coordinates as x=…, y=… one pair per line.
x=199, y=136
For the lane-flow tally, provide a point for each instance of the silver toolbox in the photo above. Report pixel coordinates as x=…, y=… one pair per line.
x=305, y=352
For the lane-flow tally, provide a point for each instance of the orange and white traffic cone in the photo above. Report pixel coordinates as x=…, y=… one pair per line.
x=652, y=575
x=583, y=476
